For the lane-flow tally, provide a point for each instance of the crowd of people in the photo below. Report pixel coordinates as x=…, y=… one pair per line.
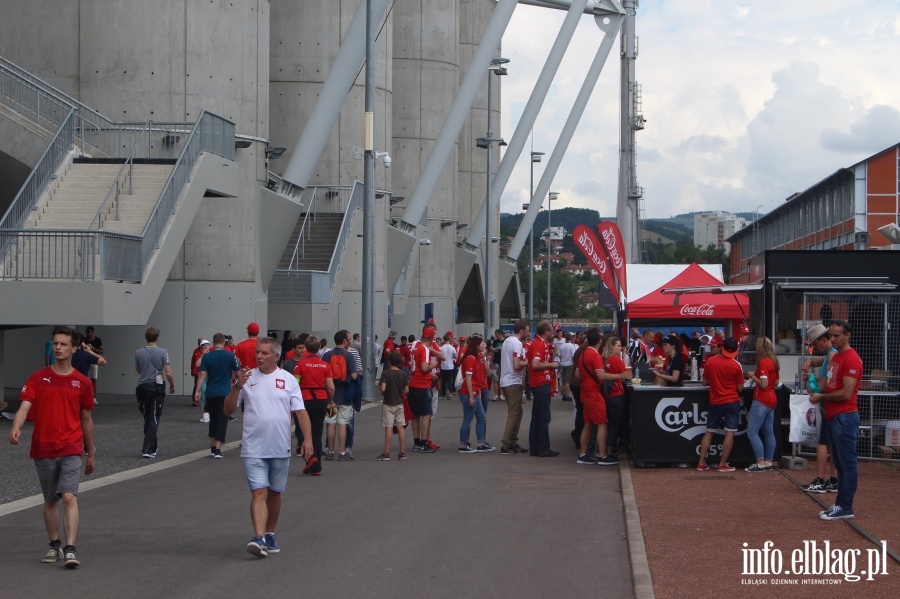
x=301, y=386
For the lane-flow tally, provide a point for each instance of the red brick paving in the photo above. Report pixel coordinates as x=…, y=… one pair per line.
x=695, y=524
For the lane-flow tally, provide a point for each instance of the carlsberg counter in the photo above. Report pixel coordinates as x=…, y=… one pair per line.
x=668, y=423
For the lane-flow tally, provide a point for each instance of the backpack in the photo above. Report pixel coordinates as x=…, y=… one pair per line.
x=338, y=365
x=459, y=379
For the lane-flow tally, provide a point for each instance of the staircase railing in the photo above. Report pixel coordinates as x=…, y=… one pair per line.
x=292, y=285
x=121, y=257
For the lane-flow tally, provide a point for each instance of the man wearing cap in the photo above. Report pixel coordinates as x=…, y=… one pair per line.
x=725, y=378
x=842, y=417
x=246, y=349
x=817, y=337
x=424, y=357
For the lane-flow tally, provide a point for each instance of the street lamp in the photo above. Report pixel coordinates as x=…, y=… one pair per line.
x=535, y=157
x=487, y=143
x=550, y=197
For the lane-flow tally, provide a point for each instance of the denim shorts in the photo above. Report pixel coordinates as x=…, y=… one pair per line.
x=267, y=473
x=728, y=414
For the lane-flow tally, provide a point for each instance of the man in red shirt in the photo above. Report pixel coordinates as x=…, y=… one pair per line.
x=842, y=418
x=63, y=399
x=424, y=357
x=725, y=378
x=389, y=346
x=317, y=389
x=246, y=349
x=541, y=370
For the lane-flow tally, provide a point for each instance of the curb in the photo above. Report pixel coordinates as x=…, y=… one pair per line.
x=637, y=551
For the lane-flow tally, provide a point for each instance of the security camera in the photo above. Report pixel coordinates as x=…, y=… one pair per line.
x=387, y=161
x=425, y=242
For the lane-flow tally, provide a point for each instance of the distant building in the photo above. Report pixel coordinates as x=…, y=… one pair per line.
x=842, y=211
x=713, y=228
x=557, y=234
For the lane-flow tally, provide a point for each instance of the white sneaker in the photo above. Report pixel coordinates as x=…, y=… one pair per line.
x=205, y=417
x=6, y=415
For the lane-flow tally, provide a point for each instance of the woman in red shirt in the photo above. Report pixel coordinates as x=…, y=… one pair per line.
x=615, y=401
x=761, y=417
x=474, y=382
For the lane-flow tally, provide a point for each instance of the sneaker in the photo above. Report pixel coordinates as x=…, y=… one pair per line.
x=385, y=457
x=53, y=555
x=257, y=546
x=816, y=486
x=702, y=467
x=72, y=560
x=316, y=468
x=148, y=455
x=585, y=459
x=831, y=485
x=610, y=461
x=401, y=456
x=520, y=449
x=836, y=512
x=432, y=445
x=757, y=468
x=418, y=448
x=484, y=448
x=344, y=457
x=310, y=465
x=217, y=454
x=726, y=467
x=271, y=545
x=507, y=450
x=428, y=449
x=205, y=418
x=6, y=415
x=466, y=449
x=329, y=456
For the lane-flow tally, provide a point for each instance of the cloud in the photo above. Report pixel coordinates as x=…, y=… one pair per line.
x=877, y=129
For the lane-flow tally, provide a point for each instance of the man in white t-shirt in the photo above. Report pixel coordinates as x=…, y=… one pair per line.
x=448, y=367
x=512, y=367
x=565, y=351
x=269, y=396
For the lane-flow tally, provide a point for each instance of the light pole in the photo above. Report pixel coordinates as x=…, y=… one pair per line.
x=535, y=157
x=487, y=143
x=550, y=197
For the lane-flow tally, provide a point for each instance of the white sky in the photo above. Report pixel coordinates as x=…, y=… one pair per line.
x=746, y=101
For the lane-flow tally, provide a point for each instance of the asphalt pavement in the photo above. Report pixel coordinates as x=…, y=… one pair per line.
x=436, y=525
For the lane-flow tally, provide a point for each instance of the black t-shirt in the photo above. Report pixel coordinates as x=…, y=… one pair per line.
x=677, y=363
x=95, y=343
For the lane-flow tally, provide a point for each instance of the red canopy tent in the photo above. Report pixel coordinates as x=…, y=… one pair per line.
x=657, y=305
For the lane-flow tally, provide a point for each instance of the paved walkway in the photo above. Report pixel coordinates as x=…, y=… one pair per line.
x=437, y=525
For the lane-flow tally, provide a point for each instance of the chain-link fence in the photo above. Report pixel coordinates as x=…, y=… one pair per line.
x=875, y=321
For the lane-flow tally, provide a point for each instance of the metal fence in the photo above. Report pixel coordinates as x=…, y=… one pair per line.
x=114, y=256
x=875, y=321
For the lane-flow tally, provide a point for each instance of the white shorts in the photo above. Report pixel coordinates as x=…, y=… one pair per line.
x=392, y=416
x=345, y=414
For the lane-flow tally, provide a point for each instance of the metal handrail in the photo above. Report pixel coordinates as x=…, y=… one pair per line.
x=129, y=162
x=300, y=245
x=210, y=133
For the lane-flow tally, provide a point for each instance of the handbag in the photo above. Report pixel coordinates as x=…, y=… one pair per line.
x=331, y=409
x=806, y=421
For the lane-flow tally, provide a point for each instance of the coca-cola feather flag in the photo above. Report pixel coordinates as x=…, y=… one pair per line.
x=615, y=251
x=595, y=253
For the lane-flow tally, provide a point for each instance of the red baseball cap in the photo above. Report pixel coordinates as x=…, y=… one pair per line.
x=715, y=341
x=428, y=331
x=253, y=329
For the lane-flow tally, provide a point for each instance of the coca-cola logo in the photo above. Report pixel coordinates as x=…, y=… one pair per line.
x=701, y=310
x=588, y=246
x=610, y=240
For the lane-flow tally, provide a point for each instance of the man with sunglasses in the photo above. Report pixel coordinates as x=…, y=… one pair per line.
x=841, y=417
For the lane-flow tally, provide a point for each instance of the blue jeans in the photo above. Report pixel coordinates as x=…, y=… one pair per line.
x=539, y=429
x=843, y=430
x=761, y=419
x=615, y=408
x=480, y=421
x=485, y=399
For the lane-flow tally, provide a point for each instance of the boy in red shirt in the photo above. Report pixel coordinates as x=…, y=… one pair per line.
x=316, y=389
x=63, y=399
x=725, y=378
x=424, y=357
